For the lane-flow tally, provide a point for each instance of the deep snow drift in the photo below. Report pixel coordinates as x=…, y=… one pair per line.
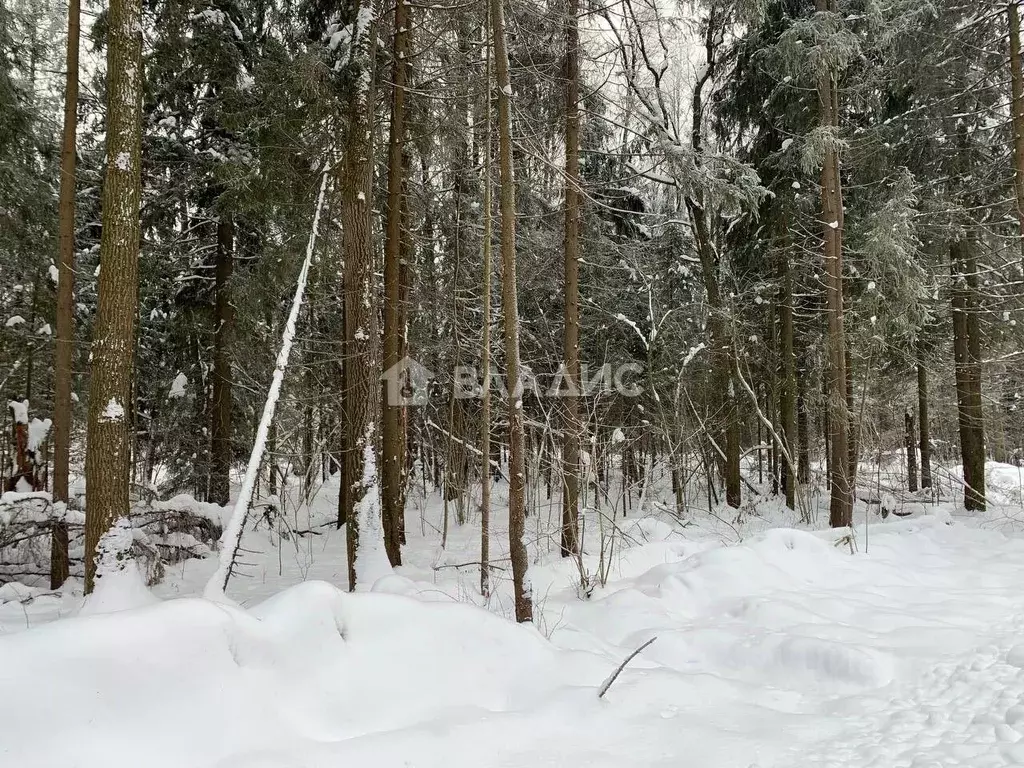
x=775, y=647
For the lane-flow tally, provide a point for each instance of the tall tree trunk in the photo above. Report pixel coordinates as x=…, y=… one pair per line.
x=911, y=446
x=362, y=395
x=394, y=440
x=722, y=353
x=1017, y=112
x=107, y=461
x=967, y=369
x=841, y=503
x=345, y=479
x=570, y=544
x=64, y=353
x=485, y=340
x=923, y=429
x=510, y=305
x=224, y=320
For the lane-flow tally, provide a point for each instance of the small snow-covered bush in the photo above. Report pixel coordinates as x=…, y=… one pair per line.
x=162, y=533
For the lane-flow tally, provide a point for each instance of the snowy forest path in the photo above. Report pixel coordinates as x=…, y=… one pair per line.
x=966, y=710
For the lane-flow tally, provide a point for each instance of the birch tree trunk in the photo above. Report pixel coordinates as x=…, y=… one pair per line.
x=107, y=461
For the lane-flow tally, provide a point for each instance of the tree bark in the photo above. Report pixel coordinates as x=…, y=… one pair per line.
x=107, y=462
x=911, y=446
x=787, y=366
x=516, y=438
x=344, y=465
x=570, y=544
x=923, y=428
x=224, y=320
x=841, y=502
x=1017, y=112
x=722, y=354
x=394, y=439
x=64, y=352
x=485, y=338
x=362, y=374
x=967, y=370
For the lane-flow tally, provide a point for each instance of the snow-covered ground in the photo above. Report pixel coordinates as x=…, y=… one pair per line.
x=777, y=646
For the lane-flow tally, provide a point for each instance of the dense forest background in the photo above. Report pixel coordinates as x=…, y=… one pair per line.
x=798, y=225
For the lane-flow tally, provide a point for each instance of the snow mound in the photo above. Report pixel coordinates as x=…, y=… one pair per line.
x=311, y=664
x=1015, y=656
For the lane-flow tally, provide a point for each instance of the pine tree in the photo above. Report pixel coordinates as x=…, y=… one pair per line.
x=107, y=464
x=362, y=341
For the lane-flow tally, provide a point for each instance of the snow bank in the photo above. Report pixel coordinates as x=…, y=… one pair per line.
x=206, y=681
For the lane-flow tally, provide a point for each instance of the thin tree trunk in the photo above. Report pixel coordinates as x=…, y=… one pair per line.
x=722, y=353
x=107, y=462
x=394, y=441
x=803, y=427
x=923, y=429
x=787, y=366
x=911, y=446
x=841, y=504
x=345, y=479
x=64, y=352
x=485, y=340
x=220, y=452
x=570, y=544
x=510, y=305
x=853, y=429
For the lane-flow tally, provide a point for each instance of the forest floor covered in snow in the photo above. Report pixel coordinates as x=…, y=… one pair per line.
x=779, y=644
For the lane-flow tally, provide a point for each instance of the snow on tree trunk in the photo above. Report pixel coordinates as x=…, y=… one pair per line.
x=362, y=342
x=118, y=582
x=108, y=459
x=371, y=558
x=232, y=536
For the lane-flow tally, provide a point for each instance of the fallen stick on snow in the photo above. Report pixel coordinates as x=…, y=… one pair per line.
x=618, y=670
